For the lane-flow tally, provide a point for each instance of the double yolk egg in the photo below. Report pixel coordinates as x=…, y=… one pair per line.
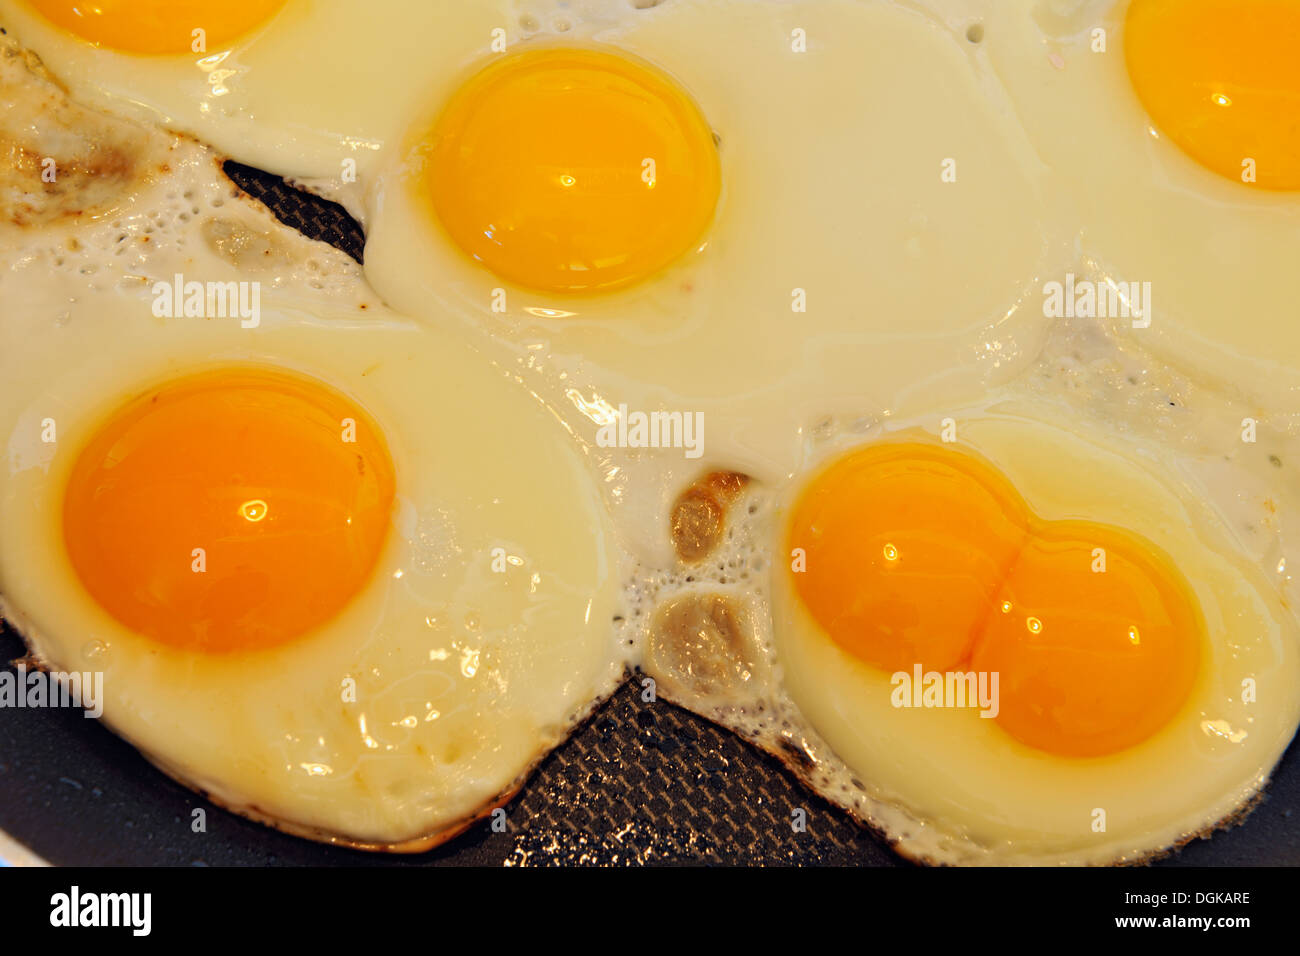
x=914, y=555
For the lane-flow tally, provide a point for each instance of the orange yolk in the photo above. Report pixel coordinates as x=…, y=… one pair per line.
x=1221, y=78
x=884, y=533
x=571, y=170
x=230, y=510
x=1089, y=662
x=156, y=26
x=916, y=554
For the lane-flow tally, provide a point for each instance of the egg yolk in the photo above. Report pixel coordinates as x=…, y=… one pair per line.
x=908, y=553
x=1221, y=78
x=884, y=533
x=157, y=26
x=231, y=510
x=1089, y=662
x=572, y=170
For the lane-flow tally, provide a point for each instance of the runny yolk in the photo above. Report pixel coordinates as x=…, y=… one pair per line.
x=572, y=170
x=157, y=26
x=910, y=553
x=1089, y=662
x=231, y=510
x=1221, y=78
x=884, y=534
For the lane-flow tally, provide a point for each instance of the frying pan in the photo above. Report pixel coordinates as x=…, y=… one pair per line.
x=638, y=783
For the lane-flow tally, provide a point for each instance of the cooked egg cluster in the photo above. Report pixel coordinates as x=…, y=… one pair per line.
x=756, y=385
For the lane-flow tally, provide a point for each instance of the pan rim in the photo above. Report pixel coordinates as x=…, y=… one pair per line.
x=13, y=853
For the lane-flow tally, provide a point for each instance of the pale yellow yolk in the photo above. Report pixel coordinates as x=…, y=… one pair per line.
x=232, y=510
x=157, y=26
x=572, y=170
x=1221, y=78
x=908, y=553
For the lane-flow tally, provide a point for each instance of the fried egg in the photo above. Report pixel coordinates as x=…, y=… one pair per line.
x=778, y=273
x=339, y=575
x=1122, y=723
x=1164, y=121
x=1125, y=717
x=1120, y=671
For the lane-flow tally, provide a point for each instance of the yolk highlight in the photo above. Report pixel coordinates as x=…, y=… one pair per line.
x=572, y=170
x=231, y=510
x=1221, y=78
x=157, y=26
x=916, y=554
